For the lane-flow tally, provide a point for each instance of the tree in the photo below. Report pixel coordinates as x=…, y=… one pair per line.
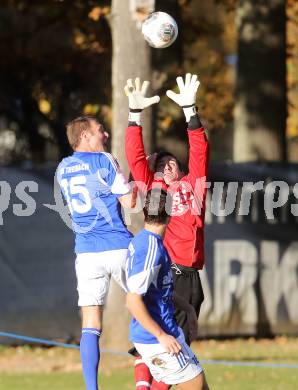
x=292, y=76
x=261, y=91
x=50, y=70
x=131, y=58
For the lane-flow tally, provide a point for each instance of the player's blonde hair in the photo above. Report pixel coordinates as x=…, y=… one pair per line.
x=75, y=128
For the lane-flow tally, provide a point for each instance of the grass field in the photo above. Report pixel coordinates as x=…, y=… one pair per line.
x=25, y=368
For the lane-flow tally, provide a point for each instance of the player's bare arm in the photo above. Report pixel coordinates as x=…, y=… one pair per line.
x=128, y=201
x=198, y=152
x=136, y=91
x=138, y=310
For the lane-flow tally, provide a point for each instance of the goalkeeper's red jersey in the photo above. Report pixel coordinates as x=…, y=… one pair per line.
x=184, y=237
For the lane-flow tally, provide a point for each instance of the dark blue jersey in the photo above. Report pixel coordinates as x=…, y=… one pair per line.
x=148, y=273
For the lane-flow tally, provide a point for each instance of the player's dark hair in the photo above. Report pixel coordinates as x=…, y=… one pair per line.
x=163, y=154
x=157, y=203
x=75, y=128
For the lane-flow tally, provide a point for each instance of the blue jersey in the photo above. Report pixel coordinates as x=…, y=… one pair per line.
x=148, y=273
x=91, y=184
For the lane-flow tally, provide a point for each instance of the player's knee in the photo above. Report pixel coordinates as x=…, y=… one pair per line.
x=202, y=383
x=91, y=317
x=196, y=383
x=91, y=323
x=205, y=385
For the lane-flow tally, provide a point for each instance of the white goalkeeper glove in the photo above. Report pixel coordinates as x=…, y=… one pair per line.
x=187, y=96
x=136, y=91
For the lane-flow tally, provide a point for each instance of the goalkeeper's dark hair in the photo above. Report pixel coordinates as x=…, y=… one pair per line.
x=164, y=153
x=157, y=206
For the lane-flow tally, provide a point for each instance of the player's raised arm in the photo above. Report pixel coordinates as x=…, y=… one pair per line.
x=135, y=152
x=198, y=143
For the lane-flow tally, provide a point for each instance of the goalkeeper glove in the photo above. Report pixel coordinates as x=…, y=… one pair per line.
x=187, y=96
x=135, y=91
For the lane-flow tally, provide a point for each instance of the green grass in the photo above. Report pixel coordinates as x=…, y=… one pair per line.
x=25, y=368
x=219, y=377
x=57, y=381
x=248, y=378
x=64, y=381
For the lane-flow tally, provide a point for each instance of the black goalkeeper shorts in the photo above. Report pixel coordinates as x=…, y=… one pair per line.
x=187, y=284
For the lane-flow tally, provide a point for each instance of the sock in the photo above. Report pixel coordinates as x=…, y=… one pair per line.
x=143, y=376
x=90, y=356
x=159, y=385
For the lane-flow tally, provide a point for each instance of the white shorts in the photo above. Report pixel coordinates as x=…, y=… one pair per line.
x=94, y=271
x=170, y=369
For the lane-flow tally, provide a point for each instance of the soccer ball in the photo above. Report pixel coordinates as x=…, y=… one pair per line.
x=160, y=30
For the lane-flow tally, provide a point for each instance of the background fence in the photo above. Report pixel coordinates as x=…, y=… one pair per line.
x=251, y=276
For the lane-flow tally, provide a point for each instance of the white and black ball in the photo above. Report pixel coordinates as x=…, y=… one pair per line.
x=160, y=30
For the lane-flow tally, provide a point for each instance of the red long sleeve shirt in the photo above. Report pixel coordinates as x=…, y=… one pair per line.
x=184, y=237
